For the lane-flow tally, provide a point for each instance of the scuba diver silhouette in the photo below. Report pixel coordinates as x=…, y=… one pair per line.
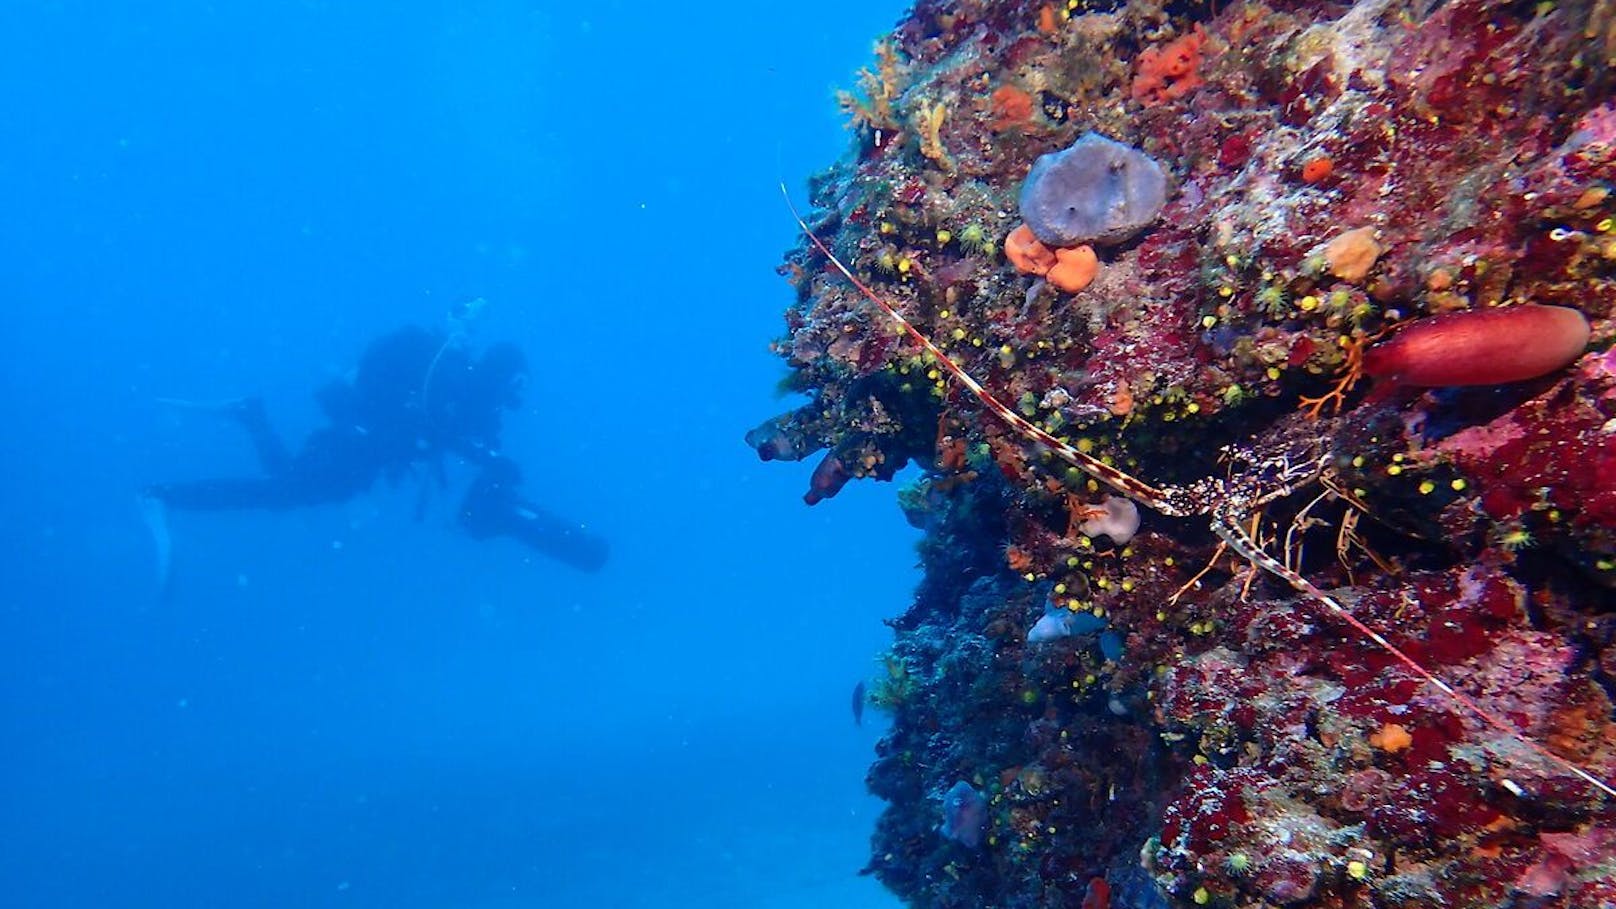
x=416, y=397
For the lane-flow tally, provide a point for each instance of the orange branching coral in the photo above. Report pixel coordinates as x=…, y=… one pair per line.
x=881, y=90
x=1168, y=72
x=929, y=126
x=1012, y=108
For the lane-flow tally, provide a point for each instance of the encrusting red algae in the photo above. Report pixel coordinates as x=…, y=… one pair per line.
x=1360, y=649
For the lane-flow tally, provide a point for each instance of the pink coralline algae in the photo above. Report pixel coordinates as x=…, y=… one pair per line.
x=1206, y=702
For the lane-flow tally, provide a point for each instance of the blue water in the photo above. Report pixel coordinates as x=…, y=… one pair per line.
x=343, y=706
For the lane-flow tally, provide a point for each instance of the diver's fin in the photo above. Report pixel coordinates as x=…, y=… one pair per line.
x=155, y=513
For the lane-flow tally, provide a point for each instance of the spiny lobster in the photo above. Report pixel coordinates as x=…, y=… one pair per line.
x=1228, y=501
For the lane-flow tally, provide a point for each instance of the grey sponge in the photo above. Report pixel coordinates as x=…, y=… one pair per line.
x=1096, y=191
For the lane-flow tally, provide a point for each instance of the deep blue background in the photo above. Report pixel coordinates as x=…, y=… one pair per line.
x=344, y=707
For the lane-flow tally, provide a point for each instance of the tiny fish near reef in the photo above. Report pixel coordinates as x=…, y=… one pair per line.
x=1481, y=346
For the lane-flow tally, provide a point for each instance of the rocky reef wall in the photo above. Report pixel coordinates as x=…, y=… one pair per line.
x=1293, y=328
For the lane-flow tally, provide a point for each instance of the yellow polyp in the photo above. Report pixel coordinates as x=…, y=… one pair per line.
x=1089, y=679
x=1074, y=605
x=887, y=227
x=1606, y=225
x=1192, y=407
x=1308, y=303
x=904, y=265
x=1427, y=487
x=943, y=315
x=1161, y=616
x=1357, y=461
x=1357, y=870
x=1071, y=561
x=932, y=374
x=1060, y=588
x=1099, y=612
x=1209, y=321
x=1201, y=896
x=943, y=236
x=1225, y=291
x=1127, y=585
x=1085, y=445
x=1458, y=485
x=957, y=334
x=1199, y=759
x=1393, y=470
x=1273, y=372
x=976, y=342
x=1398, y=457
x=1029, y=576
x=1168, y=561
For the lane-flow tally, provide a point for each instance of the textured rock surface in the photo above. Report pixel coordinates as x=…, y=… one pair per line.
x=1243, y=747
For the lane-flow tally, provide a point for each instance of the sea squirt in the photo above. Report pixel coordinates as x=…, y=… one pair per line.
x=1481, y=346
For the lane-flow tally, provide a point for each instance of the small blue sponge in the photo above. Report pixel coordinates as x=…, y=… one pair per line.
x=1096, y=191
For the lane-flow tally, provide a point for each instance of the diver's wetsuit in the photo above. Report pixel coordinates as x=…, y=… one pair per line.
x=335, y=464
x=492, y=508
x=415, y=397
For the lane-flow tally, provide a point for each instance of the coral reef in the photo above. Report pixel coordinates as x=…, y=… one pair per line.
x=1187, y=581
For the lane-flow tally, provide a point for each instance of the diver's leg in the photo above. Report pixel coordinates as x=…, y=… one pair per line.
x=229, y=494
x=565, y=541
x=272, y=453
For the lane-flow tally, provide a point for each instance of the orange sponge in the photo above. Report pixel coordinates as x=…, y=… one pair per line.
x=1168, y=72
x=1074, y=268
x=1068, y=268
x=1027, y=253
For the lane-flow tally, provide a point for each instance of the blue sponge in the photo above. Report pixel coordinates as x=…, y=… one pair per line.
x=1096, y=191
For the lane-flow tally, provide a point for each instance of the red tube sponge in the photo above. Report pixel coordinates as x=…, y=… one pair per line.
x=1481, y=346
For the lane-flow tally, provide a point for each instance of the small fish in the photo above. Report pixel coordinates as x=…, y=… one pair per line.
x=858, y=703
